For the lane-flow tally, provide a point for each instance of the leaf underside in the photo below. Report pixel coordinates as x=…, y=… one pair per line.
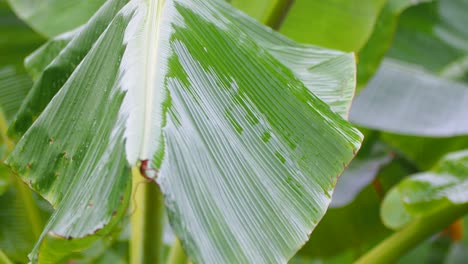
x=402, y=99
x=247, y=155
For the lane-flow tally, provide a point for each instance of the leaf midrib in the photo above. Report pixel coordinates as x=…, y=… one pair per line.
x=152, y=35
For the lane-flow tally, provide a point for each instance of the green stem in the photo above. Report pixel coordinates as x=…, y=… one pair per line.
x=4, y=258
x=278, y=13
x=147, y=222
x=177, y=254
x=395, y=246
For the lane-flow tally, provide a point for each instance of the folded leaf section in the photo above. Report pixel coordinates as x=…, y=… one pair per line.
x=247, y=155
x=55, y=71
x=250, y=156
x=74, y=153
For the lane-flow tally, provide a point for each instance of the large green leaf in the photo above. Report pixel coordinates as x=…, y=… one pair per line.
x=246, y=155
x=52, y=17
x=328, y=74
x=426, y=192
x=405, y=100
x=337, y=24
x=77, y=167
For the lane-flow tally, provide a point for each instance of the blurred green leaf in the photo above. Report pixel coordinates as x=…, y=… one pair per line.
x=372, y=53
x=405, y=100
x=338, y=24
x=439, y=26
x=425, y=192
x=53, y=17
x=16, y=42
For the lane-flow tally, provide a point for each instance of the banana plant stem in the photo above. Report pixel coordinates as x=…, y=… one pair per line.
x=278, y=13
x=147, y=221
x=395, y=246
x=177, y=254
x=268, y=12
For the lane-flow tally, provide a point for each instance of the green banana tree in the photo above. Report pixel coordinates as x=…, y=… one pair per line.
x=140, y=109
x=238, y=125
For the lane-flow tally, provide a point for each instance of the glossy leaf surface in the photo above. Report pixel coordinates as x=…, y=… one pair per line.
x=224, y=109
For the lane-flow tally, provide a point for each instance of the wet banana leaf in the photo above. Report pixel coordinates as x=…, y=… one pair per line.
x=242, y=128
